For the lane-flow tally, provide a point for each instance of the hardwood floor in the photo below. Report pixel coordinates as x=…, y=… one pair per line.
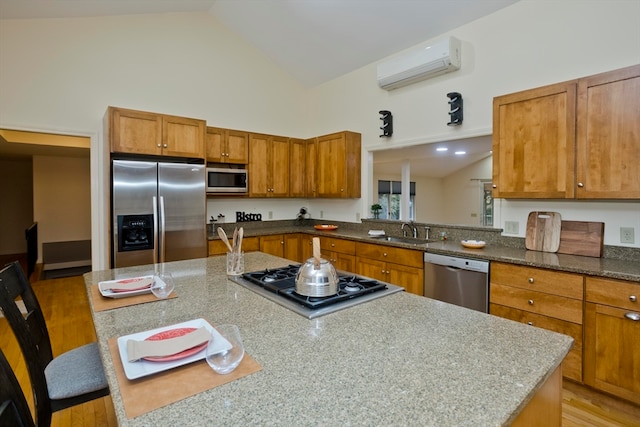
x=66, y=309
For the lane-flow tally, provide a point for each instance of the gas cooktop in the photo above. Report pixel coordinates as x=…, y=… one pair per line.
x=279, y=285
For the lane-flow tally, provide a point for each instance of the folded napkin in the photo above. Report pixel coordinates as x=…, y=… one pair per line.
x=127, y=285
x=138, y=349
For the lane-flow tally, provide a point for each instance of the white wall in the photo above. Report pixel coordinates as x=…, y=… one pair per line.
x=61, y=199
x=528, y=44
x=61, y=74
x=429, y=199
x=462, y=193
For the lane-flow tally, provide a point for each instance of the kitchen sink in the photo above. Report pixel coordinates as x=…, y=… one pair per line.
x=406, y=240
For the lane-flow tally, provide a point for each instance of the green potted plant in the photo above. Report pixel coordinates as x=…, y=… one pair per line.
x=376, y=208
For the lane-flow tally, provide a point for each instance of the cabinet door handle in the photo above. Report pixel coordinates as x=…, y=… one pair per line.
x=580, y=185
x=632, y=316
x=530, y=323
x=531, y=280
x=384, y=254
x=494, y=186
x=633, y=298
x=530, y=302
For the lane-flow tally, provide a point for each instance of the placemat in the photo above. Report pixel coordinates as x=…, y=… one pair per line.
x=101, y=303
x=146, y=394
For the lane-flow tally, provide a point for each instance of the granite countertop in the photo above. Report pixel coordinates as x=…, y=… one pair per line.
x=494, y=251
x=397, y=360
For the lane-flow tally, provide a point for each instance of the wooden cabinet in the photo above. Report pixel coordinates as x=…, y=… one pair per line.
x=297, y=167
x=337, y=165
x=612, y=337
x=249, y=244
x=291, y=247
x=282, y=245
x=402, y=267
x=140, y=132
x=547, y=299
x=534, y=143
x=608, y=135
x=577, y=139
x=340, y=252
x=310, y=162
x=227, y=146
x=268, y=166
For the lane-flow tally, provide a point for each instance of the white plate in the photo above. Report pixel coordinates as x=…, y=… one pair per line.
x=105, y=288
x=143, y=368
x=473, y=244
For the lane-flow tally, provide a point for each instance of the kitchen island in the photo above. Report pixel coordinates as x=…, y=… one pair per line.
x=397, y=360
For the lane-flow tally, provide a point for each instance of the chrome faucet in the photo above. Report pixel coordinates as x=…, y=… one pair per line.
x=414, y=229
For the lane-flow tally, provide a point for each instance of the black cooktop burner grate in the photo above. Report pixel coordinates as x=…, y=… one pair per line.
x=282, y=281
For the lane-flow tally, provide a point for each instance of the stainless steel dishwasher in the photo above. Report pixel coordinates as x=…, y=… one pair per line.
x=459, y=281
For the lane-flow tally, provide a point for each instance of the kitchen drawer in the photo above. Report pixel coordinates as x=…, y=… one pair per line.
x=338, y=245
x=537, y=302
x=616, y=293
x=407, y=257
x=553, y=282
x=572, y=364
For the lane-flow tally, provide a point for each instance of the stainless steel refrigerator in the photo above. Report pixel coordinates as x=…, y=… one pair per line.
x=158, y=212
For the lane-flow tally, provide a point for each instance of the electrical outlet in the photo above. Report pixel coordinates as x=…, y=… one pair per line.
x=511, y=227
x=270, y=214
x=626, y=235
x=357, y=216
x=321, y=214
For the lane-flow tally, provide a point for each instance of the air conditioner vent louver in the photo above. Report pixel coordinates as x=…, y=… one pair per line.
x=439, y=58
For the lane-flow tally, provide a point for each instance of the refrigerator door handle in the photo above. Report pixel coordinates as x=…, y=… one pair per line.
x=155, y=229
x=162, y=230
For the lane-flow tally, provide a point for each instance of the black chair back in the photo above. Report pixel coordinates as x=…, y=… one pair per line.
x=14, y=409
x=31, y=333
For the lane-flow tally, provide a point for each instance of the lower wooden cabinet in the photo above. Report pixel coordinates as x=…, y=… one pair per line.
x=340, y=252
x=218, y=247
x=612, y=337
x=281, y=245
x=402, y=267
x=543, y=298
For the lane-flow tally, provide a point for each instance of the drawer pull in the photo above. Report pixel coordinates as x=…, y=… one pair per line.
x=530, y=279
x=530, y=323
x=633, y=298
x=632, y=316
x=530, y=302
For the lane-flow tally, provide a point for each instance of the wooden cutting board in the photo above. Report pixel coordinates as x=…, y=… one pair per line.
x=581, y=238
x=543, y=231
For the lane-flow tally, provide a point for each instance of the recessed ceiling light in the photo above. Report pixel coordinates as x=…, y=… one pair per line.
x=442, y=149
x=460, y=153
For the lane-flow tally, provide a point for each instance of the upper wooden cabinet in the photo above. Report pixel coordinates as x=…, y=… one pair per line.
x=337, y=165
x=140, y=132
x=577, y=139
x=310, y=165
x=268, y=166
x=227, y=146
x=608, y=135
x=298, y=173
x=534, y=143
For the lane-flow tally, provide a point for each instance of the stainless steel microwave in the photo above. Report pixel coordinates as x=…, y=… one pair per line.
x=221, y=180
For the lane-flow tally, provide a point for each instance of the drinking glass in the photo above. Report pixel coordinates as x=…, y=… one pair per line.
x=163, y=285
x=235, y=263
x=226, y=361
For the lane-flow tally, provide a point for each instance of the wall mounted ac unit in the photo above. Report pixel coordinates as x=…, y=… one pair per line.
x=440, y=57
